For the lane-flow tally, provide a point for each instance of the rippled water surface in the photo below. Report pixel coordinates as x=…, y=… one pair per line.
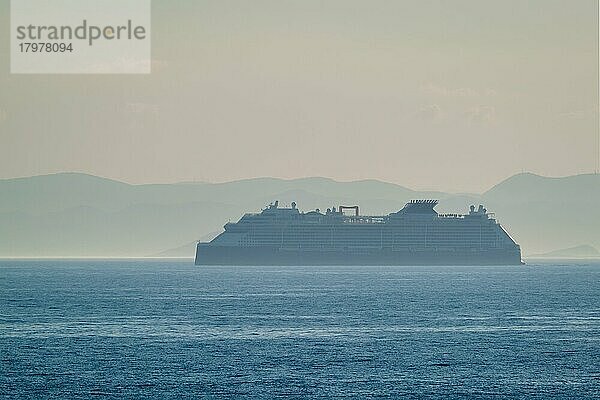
x=167, y=329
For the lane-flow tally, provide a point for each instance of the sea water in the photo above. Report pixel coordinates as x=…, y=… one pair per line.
x=155, y=329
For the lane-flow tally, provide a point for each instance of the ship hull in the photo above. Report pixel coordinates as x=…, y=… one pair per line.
x=207, y=254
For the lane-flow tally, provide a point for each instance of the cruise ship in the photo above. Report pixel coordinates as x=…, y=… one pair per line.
x=415, y=235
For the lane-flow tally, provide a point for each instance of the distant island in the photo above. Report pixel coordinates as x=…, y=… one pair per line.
x=80, y=215
x=582, y=251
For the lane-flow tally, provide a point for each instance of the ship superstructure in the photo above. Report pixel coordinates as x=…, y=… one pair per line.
x=415, y=235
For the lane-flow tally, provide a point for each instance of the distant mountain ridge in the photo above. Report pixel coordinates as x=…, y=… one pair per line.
x=73, y=214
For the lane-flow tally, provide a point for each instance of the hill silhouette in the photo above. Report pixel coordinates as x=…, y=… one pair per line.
x=582, y=251
x=73, y=214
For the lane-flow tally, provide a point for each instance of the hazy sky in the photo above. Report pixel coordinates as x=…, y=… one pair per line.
x=449, y=94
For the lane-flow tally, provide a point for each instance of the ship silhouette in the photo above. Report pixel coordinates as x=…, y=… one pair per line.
x=414, y=235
